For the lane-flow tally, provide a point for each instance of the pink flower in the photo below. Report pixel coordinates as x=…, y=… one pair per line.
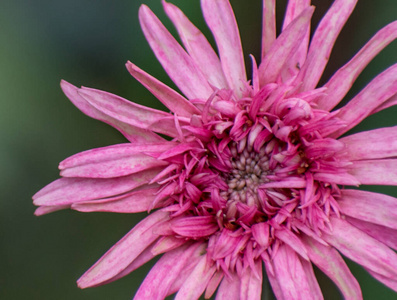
x=249, y=181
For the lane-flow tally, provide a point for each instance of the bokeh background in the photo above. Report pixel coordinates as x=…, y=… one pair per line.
x=87, y=43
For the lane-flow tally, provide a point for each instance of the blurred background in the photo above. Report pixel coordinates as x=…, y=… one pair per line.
x=87, y=42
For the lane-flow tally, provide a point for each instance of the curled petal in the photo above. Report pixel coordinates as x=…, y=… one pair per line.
x=194, y=227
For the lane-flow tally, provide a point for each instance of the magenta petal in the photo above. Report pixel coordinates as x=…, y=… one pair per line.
x=229, y=289
x=371, y=207
x=174, y=59
x=66, y=191
x=133, y=134
x=328, y=260
x=382, y=171
x=364, y=250
x=220, y=19
x=251, y=285
x=117, y=258
x=195, y=227
x=170, y=98
x=292, y=240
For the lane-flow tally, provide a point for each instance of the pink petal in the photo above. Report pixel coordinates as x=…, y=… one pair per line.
x=66, y=191
x=251, y=285
x=175, y=61
x=377, y=143
x=343, y=79
x=328, y=260
x=213, y=284
x=120, y=256
x=381, y=171
x=291, y=240
x=128, y=112
x=312, y=280
x=379, y=90
x=220, y=19
x=268, y=25
x=388, y=103
x=322, y=43
x=284, y=47
x=294, y=9
x=387, y=281
x=197, y=46
x=260, y=232
x=197, y=281
x=368, y=206
x=42, y=210
x=195, y=227
x=362, y=249
x=136, y=201
x=170, y=98
x=133, y=134
x=162, y=275
x=229, y=289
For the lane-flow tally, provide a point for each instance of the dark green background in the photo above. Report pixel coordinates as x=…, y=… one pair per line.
x=87, y=43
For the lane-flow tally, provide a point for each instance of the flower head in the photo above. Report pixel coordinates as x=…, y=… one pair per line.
x=242, y=178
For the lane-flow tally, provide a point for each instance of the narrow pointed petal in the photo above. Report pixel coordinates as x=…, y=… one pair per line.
x=161, y=276
x=66, y=191
x=312, y=280
x=125, y=251
x=365, y=250
x=268, y=25
x=294, y=9
x=196, y=283
x=128, y=112
x=379, y=90
x=195, y=227
x=197, y=46
x=371, y=207
x=174, y=59
x=133, y=134
x=284, y=47
x=109, y=162
x=220, y=19
x=389, y=282
x=293, y=241
x=343, y=79
x=136, y=201
x=377, y=172
x=251, y=285
x=169, y=97
x=388, y=103
x=328, y=260
x=322, y=43
x=43, y=210
x=213, y=284
x=377, y=143
x=229, y=289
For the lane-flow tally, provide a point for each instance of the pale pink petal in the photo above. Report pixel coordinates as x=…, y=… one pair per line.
x=268, y=25
x=133, y=134
x=294, y=9
x=197, y=46
x=197, y=281
x=379, y=90
x=368, y=206
x=229, y=289
x=169, y=97
x=328, y=260
x=66, y=191
x=343, y=79
x=167, y=243
x=284, y=47
x=383, y=234
x=378, y=172
x=274, y=283
x=322, y=43
x=220, y=19
x=136, y=201
x=361, y=248
x=377, y=143
x=162, y=275
x=174, y=59
x=42, y=210
x=213, y=284
x=128, y=112
x=387, y=281
x=251, y=285
x=388, y=103
x=120, y=256
x=312, y=280
x=290, y=275
x=289, y=238
x=108, y=162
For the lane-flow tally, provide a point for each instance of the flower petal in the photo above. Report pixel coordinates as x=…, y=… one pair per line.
x=251, y=285
x=220, y=19
x=364, y=250
x=341, y=82
x=170, y=98
x=197, y=46
x=378, y=171
x=377, y=143
x=284, y=47
x=195, y=227
x=174, y=59
x=117, y=258
x=268, y=25
x=322, y=43
x=229, y=289
x=387, y=281
x=132, y=133
x=328, y=260
x=291, y=240
x=368, y=206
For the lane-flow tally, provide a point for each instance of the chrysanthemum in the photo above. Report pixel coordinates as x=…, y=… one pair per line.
x=242, y=179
